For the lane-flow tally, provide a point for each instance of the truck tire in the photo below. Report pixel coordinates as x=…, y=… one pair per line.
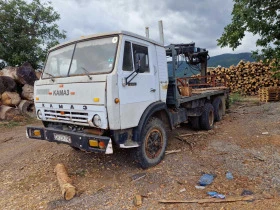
x=207, y=117
x=218, y=109
x=153, y=144
x=194, y=123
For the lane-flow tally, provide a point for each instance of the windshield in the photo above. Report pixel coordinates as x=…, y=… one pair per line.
x=87, y=57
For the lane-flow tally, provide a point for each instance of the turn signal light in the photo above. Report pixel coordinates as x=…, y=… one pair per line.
x=37, y=98
x=102, y=145
x=96, y=99
x=117, y=100
x=93, y=143
x=37, y=133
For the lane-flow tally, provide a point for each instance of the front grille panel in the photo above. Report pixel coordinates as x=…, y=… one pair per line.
x=79, y=117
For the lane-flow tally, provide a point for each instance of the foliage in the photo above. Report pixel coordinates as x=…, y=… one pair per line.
x=18, y=121
x=234, y=97
x=260, y=17
x=226, y=60
x=27, y=31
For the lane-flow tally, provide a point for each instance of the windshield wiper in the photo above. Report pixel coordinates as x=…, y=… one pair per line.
x=51, y=76
x=88, y=74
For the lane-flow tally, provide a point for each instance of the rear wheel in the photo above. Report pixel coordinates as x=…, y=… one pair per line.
x=218, y=109
x=153, y=144
x=207, y=117
x=194, y=123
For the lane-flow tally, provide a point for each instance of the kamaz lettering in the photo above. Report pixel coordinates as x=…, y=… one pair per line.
x=61, y=92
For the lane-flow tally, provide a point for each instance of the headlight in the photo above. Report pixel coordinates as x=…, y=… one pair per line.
x=39, y=114
x=96, y=120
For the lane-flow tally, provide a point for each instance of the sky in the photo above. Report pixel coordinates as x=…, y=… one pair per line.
x=184, y=21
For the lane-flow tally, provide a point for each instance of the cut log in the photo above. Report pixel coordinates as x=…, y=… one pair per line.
x=7, y=84
x=8, y=113
x=27, y=92
x=27, y=108
x=9, y=71
x=26, y=74
x=68, y=190
x=10, y=98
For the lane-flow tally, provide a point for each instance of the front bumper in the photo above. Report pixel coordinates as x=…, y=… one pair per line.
x=74, y=139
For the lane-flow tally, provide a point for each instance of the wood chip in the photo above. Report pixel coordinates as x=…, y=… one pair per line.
x=192, y=134
x=137, y=200
x=187, y=141
x=172, y=151
x=136, y=177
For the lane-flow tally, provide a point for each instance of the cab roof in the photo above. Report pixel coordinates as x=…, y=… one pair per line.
x=127, y=33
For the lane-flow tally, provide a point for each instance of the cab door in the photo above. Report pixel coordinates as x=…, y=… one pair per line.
x=138, y=80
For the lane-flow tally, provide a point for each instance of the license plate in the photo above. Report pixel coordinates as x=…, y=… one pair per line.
x=62, y=138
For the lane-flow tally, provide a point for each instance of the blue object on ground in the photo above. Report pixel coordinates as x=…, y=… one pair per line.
x=229, y=175
x=206, y=179
x=214, y=194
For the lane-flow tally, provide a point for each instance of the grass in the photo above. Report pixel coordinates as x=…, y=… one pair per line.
x=235, y=97
x=9, y=124
x=17, y=122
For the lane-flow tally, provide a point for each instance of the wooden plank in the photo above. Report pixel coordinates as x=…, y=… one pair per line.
x=202, y=95
x=211, y=200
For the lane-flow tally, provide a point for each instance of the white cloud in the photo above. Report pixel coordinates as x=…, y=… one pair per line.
x=184, y=21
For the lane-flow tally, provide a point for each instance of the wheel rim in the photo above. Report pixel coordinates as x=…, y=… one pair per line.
x=153, y=143
x=211, y=118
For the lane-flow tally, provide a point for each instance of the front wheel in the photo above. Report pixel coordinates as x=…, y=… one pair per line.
x=153, y=144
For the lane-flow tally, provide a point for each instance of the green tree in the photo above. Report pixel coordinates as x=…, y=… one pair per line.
x=260, y=17
x=27, y=31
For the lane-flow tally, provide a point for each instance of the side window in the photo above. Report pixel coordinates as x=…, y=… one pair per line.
x=127, y=57
x=141, y=58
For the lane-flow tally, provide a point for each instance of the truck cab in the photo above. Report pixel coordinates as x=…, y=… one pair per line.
x=96, y=89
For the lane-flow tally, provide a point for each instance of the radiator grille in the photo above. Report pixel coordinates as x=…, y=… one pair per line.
x=78, y=117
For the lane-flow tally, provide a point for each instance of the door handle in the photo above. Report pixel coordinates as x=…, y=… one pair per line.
x=152, y=90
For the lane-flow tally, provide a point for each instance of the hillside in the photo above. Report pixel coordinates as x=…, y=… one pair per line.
x=226, y=60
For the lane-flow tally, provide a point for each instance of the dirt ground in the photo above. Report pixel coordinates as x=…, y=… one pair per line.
x=246, y=143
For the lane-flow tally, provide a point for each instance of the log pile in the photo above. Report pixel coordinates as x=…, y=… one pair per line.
x=246, y=78
x=16, y=91
x=269, y=94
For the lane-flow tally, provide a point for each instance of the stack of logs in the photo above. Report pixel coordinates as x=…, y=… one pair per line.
x=246, y=78
x=16, y=91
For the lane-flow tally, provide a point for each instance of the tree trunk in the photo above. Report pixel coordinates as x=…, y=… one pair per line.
x=68, y=190
x=28, y=92
x=8, y=113
x=27, y=108
x=10, y=98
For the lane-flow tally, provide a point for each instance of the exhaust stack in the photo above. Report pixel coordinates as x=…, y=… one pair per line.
x=147, y=32
x=160, y=28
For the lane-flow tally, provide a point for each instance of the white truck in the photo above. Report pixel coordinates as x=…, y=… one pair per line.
x=115, y=90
